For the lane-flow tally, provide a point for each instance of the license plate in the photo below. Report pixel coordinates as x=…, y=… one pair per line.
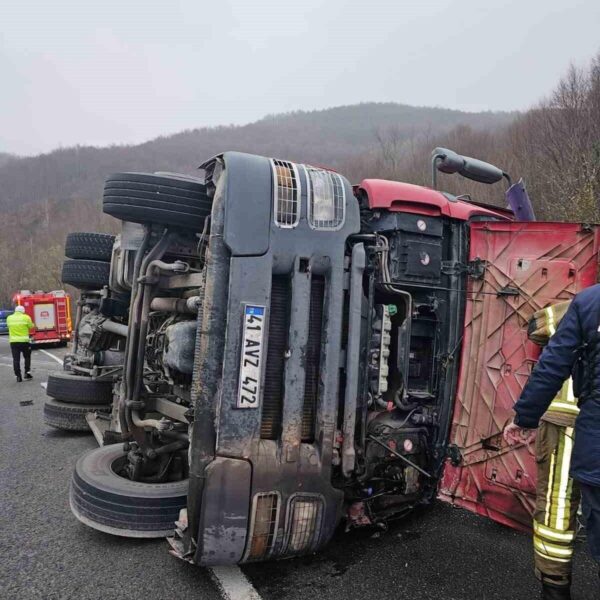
x=251, y=360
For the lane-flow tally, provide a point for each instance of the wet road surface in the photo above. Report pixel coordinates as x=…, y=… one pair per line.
x=438, y=553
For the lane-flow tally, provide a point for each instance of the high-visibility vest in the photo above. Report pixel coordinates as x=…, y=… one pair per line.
x=19, y=325
x=541, y=328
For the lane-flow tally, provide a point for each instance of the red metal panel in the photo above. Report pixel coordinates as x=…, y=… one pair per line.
x=406, y=197
x=544, y=263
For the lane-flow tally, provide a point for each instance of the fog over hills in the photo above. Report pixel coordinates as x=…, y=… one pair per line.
x=329, y=137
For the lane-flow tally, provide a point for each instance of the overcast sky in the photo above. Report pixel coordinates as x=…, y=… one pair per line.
x=115, y=71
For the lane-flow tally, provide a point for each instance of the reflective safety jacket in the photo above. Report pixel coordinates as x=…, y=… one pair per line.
x=576, y=343
x=563, y=409
x=19, y=325
x=544, y=322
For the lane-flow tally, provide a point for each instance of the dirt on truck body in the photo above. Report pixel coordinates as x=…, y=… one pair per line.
x=297, y=352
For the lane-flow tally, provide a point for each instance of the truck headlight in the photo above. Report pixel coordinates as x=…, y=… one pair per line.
x=327, y=202
x=305, y=514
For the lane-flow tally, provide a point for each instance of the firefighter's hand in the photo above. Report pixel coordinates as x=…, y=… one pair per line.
x=514, y=434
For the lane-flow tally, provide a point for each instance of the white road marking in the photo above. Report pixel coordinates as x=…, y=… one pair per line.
x=58, y=360
x=233, y=584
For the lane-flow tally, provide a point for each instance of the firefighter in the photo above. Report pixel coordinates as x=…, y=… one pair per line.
x=19, y=327
x=569, y=435
x=554, y=518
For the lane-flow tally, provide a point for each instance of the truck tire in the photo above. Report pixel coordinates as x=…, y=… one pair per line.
x=70, y=417
x=90, y=246
x=147, y=198
x=110, y=503
x=86, y=274
x=78, y=389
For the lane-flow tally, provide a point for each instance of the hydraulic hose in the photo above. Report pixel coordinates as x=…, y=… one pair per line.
x=178, y=305
x=116, y=328
x=76, y=329
x=125, y=385
x=168, y=448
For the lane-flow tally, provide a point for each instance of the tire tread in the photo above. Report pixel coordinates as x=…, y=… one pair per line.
x=85, y=274
x=78, y=389
x=89, y=246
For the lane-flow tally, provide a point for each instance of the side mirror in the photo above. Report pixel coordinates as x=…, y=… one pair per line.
x=448, y=161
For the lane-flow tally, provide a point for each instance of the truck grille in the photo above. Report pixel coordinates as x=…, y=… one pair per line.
x=313, y=357
x=287, y=193
x=277, y=340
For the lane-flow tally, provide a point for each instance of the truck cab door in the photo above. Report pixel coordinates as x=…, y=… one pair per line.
x=515, y=269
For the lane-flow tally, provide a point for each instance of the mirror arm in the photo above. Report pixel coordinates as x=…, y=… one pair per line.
x=434, y=160
x=507, y=177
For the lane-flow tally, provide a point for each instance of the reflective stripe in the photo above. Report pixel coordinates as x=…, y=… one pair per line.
x=552, y=550
x=548, y=508
x=570, y=392
x=565, y=401
x=550, y=315
x=551, y=558
x=565, y=449
x=564, y=407
x=547, y=532
x=558, y=493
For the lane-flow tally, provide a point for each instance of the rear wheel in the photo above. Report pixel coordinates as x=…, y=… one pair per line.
x=86, y=274
x=103, y=500
x=78, y=389
x=70, y=417
x=147, y=198
x=90, y=246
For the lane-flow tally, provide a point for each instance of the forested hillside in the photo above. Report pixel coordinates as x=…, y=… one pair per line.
x=327, y=137
x=555, y=146
x=44, y=197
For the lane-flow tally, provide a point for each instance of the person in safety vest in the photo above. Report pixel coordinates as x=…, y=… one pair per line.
x=568, y=446
x=557, y=495
x=19, y=327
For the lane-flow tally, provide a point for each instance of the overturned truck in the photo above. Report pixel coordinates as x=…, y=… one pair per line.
x=300, y=352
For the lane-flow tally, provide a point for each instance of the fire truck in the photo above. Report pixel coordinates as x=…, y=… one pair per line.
x=50, y=313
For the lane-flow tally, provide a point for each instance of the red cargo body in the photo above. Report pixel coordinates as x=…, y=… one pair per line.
x=527, y=266
x=50, y=313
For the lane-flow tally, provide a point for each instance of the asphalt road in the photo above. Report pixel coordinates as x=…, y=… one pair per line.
x=439, y=553
x=45, y=552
